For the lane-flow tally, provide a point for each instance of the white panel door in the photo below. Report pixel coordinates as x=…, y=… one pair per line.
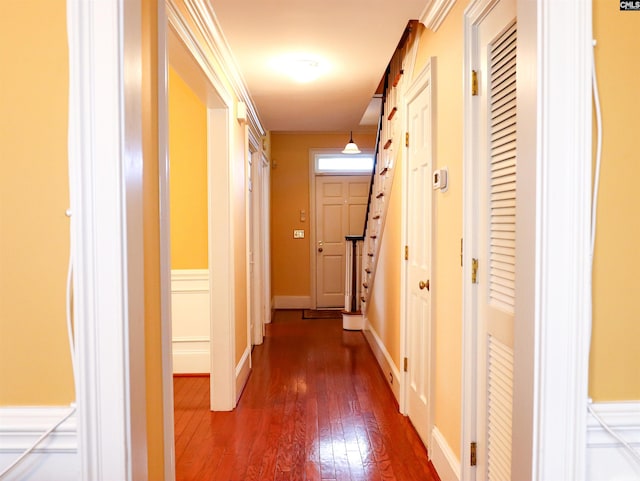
x=419, y=205
x=341, y=203
x=496, y=121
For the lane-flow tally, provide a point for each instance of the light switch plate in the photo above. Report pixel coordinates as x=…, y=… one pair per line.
x=298, y=234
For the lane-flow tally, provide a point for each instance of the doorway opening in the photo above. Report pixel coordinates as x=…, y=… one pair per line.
x=216, y=336
x=338, y=196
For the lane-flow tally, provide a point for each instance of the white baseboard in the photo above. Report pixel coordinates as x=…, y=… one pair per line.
x=607, y=459
x=445, y=462
x=191, y=355
x=291, y=302
x=391, y=372
x=55, y=459
x=243, y=369
x=190, y=321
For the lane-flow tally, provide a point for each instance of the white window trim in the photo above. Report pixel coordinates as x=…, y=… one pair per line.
x=335, y=153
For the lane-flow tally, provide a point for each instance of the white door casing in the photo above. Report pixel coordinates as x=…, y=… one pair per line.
x=418, y=270
x=251, y=234
x=106, y=200
x=341, y=202
x=195, y=69
x=257, y=254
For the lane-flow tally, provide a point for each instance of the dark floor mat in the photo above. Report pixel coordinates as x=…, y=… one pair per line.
x=321, y=314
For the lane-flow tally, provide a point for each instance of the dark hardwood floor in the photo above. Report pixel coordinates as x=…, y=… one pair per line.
x=316, y=407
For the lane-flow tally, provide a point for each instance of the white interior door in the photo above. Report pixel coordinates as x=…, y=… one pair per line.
x=341, y=204
x=419, y=205
x=496, y=150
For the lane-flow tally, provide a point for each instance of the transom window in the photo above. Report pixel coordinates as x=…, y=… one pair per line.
x=337, y=163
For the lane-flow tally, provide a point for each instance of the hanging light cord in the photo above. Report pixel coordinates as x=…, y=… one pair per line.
x=594, y=217
x=31, y=448
x=70, y=335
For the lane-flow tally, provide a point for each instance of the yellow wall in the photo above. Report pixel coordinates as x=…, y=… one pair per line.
x=188, y=177
x=615, y=356
x=289, y=195
x=35, y=366
x=447, y=46
x=383, y=311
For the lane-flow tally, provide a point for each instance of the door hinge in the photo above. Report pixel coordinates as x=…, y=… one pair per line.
x=474, y=271
x=461, y=251
x=406, y=253
x=473, y=453
x=406, y=364
x=474, y=83
x=406, y=139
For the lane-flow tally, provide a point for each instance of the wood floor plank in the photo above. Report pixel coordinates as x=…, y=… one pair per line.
x=316, y=407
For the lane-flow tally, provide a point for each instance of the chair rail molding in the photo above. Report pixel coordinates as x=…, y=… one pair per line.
x=55, y=458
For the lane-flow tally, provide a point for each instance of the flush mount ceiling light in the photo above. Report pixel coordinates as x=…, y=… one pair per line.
x=351, y=147
x=301, y=68
x=304, y=70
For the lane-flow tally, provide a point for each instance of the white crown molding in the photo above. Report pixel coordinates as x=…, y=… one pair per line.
x=435, y=12
x=208, y=26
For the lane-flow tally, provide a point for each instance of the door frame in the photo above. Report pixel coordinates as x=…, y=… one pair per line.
x=424, y=78
x=313, y=261
x=106, y=238
x=222, y=134
x=260, y=205
x=552, y=256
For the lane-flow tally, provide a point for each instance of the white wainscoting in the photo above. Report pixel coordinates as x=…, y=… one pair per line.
x=56, y=457
x=391, y=372
x=442, y=457
x=190, y=321
x=606, y=458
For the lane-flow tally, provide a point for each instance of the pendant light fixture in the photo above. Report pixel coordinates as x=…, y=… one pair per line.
x=351, y=147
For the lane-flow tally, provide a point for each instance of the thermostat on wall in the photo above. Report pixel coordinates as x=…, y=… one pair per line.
x=440, y=179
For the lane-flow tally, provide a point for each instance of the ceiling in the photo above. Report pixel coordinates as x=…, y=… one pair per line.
x=352, y=42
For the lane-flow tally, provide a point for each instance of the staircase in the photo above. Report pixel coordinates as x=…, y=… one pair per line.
x=389, y=144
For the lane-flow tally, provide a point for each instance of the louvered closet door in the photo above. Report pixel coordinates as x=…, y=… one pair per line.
x=496, y=304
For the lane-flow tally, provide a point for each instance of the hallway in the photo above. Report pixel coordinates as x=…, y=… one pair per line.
x=316, y=407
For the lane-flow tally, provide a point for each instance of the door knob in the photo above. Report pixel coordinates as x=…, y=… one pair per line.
x=423, y=284
x=320, y=249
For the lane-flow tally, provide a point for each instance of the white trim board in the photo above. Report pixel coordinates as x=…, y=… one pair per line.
x=190, y=305
x=55, y=459
x=243, y=369
x=445, y=462
x=606, y=458
x=389, y=369
x=105, y=190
